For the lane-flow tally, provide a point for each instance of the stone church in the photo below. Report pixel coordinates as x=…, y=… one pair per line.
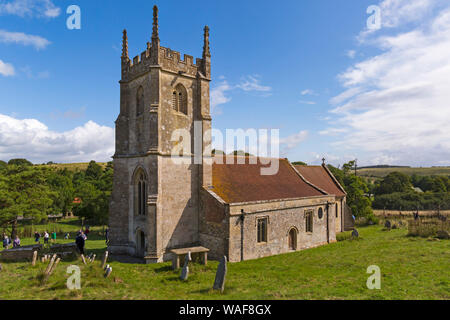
x=231, y=209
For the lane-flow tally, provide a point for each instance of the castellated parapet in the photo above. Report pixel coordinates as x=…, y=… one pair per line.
x=169, y=60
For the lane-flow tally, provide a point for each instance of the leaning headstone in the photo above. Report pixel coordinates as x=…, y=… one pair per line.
x=93, y=258
x=54, y=266
x=83, y=259
x=355, y=233
x=33, y=262
x=221, y=274
x=108, y=272
x=387, y=225
x=50, y=265
x=105, y=258
x=185, y=271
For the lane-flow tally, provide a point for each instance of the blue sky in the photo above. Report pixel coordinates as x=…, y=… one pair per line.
x=312, y=69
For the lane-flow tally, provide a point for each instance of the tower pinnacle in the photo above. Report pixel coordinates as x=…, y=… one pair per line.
x=125, y=45
x=206, y=52
x=155, y=34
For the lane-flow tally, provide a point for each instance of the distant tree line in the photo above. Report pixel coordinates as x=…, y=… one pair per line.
x=34, y=192
x=398, y=191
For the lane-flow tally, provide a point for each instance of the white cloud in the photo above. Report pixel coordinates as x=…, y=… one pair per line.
x=291, y=142
x=351, y=54
x=248, y=84
x=395, y=105
x=31, y=139
x=25, y=39
x=30, y=8
x=253, y=83
x=6, y=69
x=308, y=92
x=218, y=96
x=307, y=102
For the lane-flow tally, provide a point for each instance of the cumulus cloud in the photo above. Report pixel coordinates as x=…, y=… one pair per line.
x=218, y=96
x=395, y=105
x=30, y=8
x=24, y=39
x=6, y=69
x=31, y=139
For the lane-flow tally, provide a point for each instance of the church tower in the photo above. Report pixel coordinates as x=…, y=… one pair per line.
x=155, y=203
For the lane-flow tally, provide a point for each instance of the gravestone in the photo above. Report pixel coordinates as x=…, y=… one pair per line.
x=54, y=266
x=33, y=262
x=355, y=233
x=108, y=272
x=221, y=274
x=83, y=259
x=185, y=271
x=105, y=258
x=387, y=225
x=93, y=258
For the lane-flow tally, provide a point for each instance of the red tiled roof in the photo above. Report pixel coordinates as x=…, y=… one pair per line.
x=236, y=183
x=320, y=177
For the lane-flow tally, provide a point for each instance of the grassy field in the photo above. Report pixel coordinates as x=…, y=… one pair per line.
x=382, y=172
x=412, y=268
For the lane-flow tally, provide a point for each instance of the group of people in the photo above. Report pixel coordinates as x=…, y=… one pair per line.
x=80, y=239
x=46, y=236
x=7, y=242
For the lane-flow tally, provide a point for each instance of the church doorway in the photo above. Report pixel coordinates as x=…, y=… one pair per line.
x=140, y=243
x=292, y=239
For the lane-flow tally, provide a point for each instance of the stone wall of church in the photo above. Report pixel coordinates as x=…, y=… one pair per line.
x=213, y=224
x=178, y=198
x=282, y=217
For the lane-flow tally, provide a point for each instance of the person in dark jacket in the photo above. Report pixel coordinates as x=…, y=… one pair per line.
x=79, y=240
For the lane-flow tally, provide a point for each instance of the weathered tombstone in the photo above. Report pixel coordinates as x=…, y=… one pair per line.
x=387, y=225
x=108, y=272
x=54, y=266
x=355, y=233
x=42, y=259
x=185, y=271
x=221, y=274
x=93, y=258
x=105, y=258
x=50, y=265
x=83, y=259
x=33, y=262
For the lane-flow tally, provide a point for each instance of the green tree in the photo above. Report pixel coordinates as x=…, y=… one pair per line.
x=24, y=192
x=19, y=162
x=394, y=182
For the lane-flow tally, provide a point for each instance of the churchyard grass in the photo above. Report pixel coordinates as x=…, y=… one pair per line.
x=411, y=268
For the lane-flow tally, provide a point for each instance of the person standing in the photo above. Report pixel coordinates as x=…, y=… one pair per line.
x=16, y=242
x=46, y=237
x=80, y=241
x=54, y=236
x=37, y=237
x=5, y=241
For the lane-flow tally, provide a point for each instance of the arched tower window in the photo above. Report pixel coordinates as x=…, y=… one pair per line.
x=175, y=101
x=140, y=101
x=140, y=194
x=179, y=99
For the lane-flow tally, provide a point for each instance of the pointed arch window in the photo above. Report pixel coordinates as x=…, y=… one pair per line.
x=141, y=195
x=179, y=99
